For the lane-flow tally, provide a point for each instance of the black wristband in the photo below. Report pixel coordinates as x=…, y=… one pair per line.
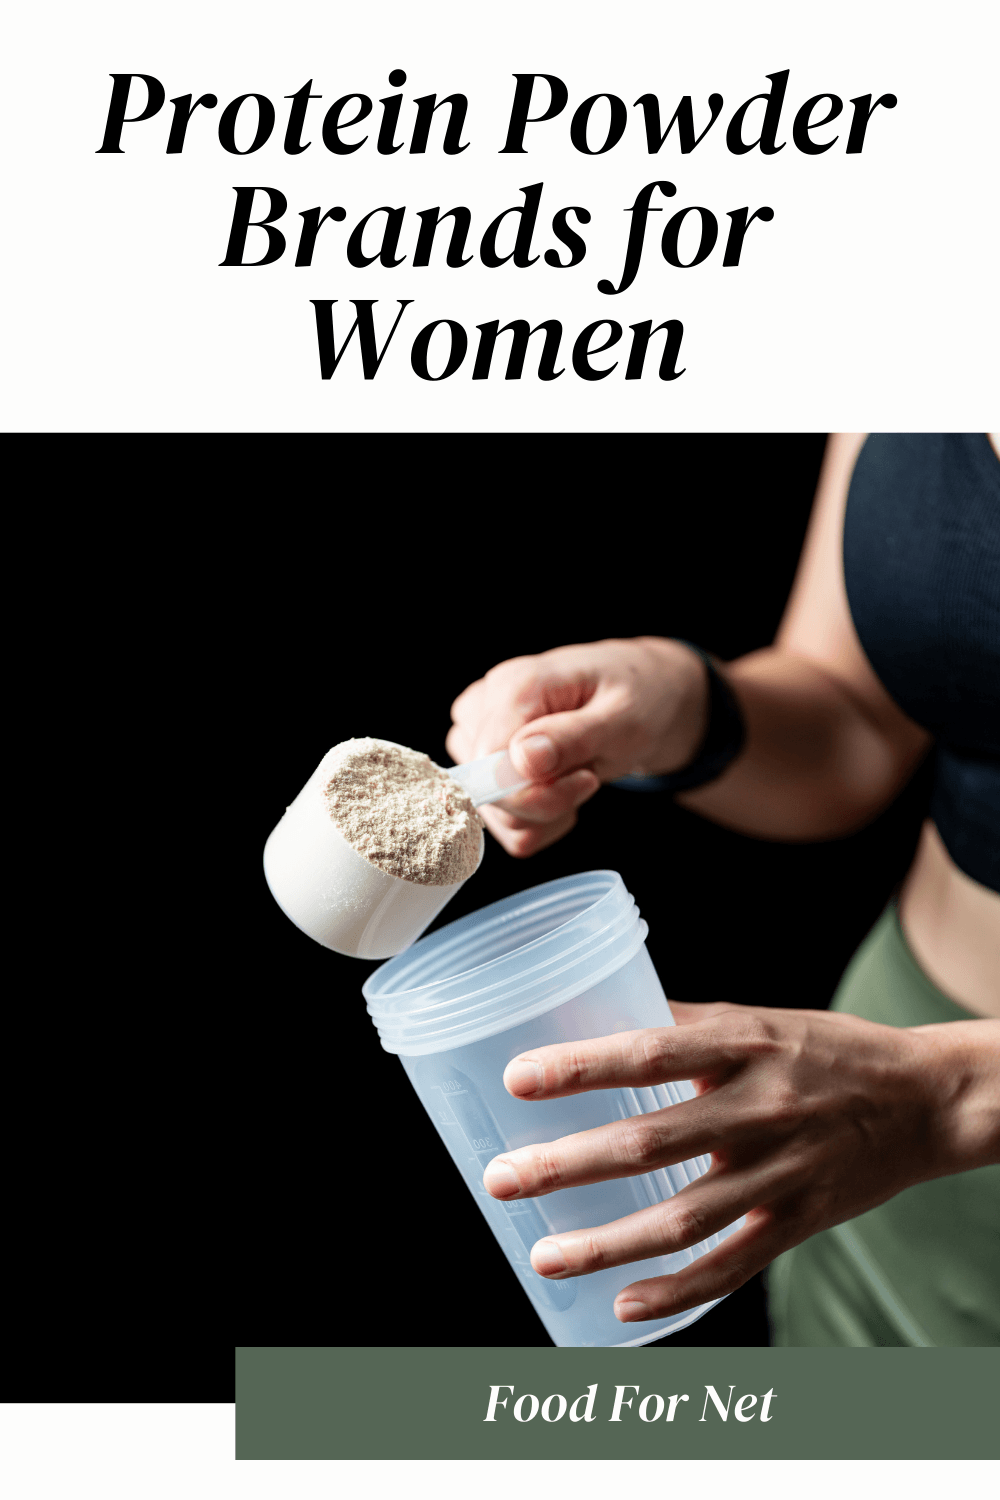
x=724, y=739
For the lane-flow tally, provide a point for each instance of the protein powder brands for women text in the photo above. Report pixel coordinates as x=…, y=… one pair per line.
x=356, y=335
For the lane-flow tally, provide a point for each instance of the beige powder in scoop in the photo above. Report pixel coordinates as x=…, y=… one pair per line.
x=403, y=813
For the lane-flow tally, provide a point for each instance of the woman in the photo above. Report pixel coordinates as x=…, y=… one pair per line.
x=860, y=1143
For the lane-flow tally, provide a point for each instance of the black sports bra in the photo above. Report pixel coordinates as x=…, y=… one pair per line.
x=922, y=568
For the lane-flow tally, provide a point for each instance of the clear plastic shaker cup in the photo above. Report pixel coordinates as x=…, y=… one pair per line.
x=334, y=895
x=560, y=962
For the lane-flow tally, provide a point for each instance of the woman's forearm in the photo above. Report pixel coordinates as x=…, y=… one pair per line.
x=817, y=763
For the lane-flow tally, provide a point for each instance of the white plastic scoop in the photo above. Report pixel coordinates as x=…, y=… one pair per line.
x=489, y=779
x=334, y=895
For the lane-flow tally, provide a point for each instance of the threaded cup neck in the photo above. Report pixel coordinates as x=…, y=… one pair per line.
x=504, y=964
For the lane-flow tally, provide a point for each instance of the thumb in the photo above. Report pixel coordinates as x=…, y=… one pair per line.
x=555, y=744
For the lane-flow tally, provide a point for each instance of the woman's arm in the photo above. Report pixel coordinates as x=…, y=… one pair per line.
x=826, y=749
x=811, y=1118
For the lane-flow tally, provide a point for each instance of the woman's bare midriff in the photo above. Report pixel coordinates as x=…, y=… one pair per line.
x=952, y=925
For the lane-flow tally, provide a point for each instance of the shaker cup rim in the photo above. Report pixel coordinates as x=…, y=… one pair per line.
x=472, y=977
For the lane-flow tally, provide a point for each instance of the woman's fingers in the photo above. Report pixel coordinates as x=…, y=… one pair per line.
x=712, y=1203
x=489, y=711
x=524, y=839
x=685, y=1012
x=543, y=803
x=637, y=1059
x=539, y=814
x=625, y=1148
x=745, y=1252
x=596, y=733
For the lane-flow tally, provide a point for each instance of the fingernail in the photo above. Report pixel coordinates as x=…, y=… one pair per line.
x=522, y=1077
x=500, y=1180
x=547, y=1259
x=631, y=1312
x=542, y=751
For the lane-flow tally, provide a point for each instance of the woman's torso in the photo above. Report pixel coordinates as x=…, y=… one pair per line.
x=922, y=570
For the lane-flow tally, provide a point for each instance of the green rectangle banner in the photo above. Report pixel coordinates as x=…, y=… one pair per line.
x=413, y=1403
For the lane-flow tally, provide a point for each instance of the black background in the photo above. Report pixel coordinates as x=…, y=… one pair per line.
x=419, y=563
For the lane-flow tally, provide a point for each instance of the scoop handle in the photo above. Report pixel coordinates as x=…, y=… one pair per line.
x=489, y=779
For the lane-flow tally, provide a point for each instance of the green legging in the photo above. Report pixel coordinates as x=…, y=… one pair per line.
x=924, y=1268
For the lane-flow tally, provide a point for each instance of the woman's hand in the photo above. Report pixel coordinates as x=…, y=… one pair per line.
x=811, y=1118
x=575, y=717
